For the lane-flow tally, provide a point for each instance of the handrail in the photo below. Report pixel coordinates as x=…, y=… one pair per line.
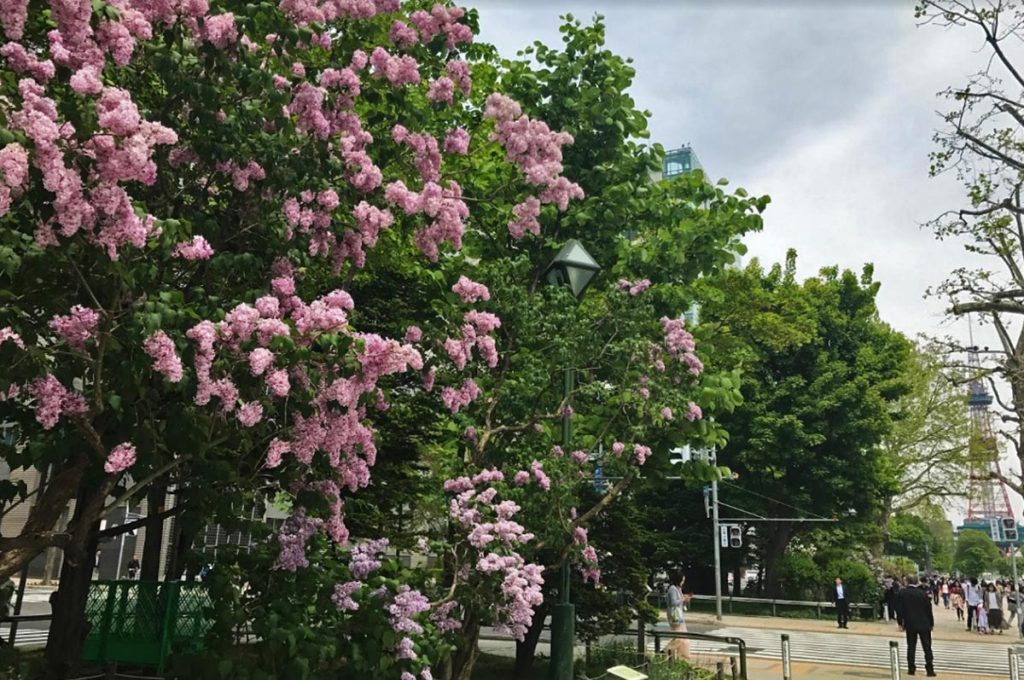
x=740, y=643
x=26, y=617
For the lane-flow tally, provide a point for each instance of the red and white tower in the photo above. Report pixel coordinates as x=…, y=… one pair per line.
x=987, y=498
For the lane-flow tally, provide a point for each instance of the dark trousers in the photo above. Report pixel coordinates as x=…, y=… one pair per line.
x=970, y=615
x=926, y=644
x=842, y=612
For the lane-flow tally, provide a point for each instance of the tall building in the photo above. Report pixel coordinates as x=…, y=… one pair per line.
x=680, y=161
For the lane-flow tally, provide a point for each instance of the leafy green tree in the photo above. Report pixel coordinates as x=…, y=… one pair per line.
x=976, y=554
x=820, y=375
x=927, y=451
x=983, y=143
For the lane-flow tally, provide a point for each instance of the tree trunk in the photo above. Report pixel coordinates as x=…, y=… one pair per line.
x=527, y=649
x=467, y=651
x=737, y=588
x=778, y=541
x=154, y=533
x=181, y=543
x=68, y=627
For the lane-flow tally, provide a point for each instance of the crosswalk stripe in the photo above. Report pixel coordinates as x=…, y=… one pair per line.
x=951, y=656
x=27, y=637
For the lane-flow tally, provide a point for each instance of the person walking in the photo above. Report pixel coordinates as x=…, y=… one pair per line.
x=678, y=648
x=893, y=601
x=945, y=593
x=972, y=598
x=993, y=609
x=839, y=596
x=918, y=621
x=957, y=598
x=1011, y=603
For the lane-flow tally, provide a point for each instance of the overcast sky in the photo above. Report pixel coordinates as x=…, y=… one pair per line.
x=828, y=107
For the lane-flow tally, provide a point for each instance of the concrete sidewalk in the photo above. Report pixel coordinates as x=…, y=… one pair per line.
x=768, y=669
x=946, y=627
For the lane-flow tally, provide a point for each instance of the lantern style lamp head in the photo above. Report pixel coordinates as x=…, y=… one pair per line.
x=572, y=265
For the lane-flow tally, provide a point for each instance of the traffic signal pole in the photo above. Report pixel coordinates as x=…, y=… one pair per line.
x=716, y=532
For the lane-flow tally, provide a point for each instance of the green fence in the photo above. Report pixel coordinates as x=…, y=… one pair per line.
x=140, y=622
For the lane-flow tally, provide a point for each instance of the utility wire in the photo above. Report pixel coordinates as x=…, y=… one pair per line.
x=769, y=498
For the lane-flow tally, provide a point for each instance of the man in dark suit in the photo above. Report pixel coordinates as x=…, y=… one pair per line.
x=918, y=621
x=840, y=597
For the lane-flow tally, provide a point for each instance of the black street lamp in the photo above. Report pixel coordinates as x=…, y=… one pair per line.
x=574, y=266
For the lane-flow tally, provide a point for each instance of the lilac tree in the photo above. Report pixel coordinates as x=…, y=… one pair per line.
x=197, y=202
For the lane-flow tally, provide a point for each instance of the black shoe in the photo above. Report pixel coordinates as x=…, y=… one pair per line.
x=911, y=672
x=932, y=674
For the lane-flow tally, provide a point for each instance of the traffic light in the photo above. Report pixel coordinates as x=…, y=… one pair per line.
x=1009, y=529
x=735, y=536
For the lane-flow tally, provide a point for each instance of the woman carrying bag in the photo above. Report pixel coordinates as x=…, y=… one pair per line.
x=678, y=648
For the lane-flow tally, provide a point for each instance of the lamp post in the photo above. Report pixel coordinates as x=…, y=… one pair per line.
x=574, y=266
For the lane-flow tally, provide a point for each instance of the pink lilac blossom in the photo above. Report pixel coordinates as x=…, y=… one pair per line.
x=77, y=327
x=21, y=61
x=442, y=20
x=8, y=334
x=444, y=207
x=557, y=451
x=407, y=604
x=441, y=90
x=428, y=379
x=196, y=249
x=638, y=287
x=443, y=619
x=342, y=597
x=455, y=400
x=293, y=535
x=458, y=71
x=457, y=141
x=250, y=413
x=220, y=30
x=521, y=478
x=537, y=151
x=402, y=35
x=666, y=413
x=693, y=412
x=260, y=359
x=12, y=17
x=398, y=70
x=618, y=448
x=166, y=361
x=427, y=157
x=413, y=334
x=278, y=383
x=543, y=481
x=120, y=458
x=580, y=457
x=524, y=220
x=471, y=291
x=641, y=453
x=364, y=558
x=242, y=175
x=404, y=650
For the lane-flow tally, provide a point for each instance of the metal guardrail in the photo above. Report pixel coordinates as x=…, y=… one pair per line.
x=739, y=643
x=659, y=601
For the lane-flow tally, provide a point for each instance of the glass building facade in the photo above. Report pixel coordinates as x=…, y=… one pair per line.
x=680, y=161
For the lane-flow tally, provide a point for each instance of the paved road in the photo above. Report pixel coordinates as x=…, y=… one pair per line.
x=850, y=649
x=27, y=637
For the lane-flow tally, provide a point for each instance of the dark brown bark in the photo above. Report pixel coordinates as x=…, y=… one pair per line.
x=778, y=541
x=526, y=650
x=737, y=586
x=181, y=544
x=37, y=534
x=468, y=650
x=68, y=627
x=157, y=496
